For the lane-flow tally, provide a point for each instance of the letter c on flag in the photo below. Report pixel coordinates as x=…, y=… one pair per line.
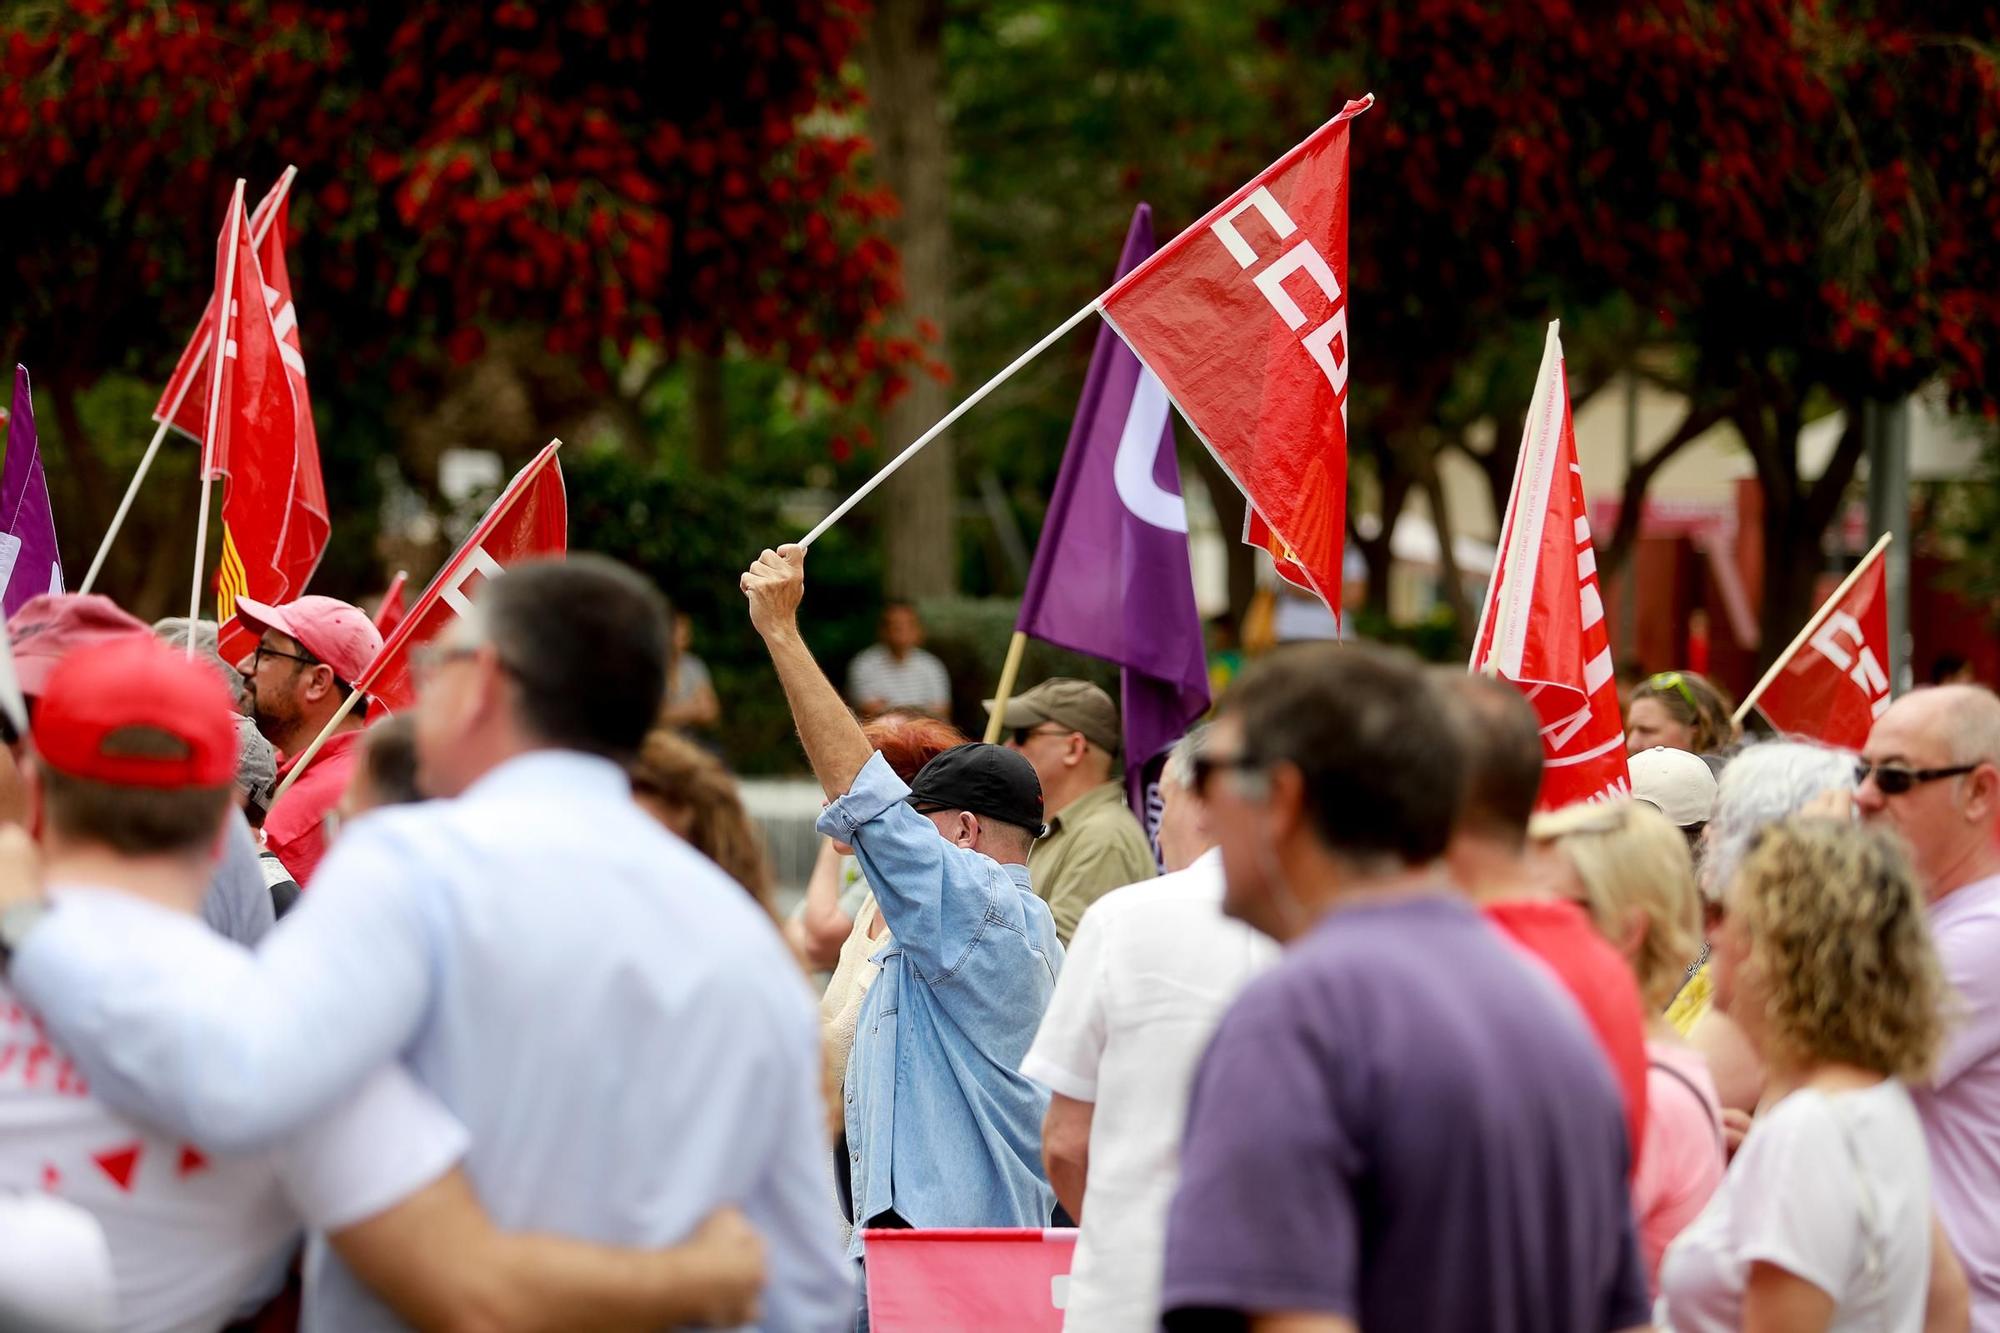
x=1138, y=449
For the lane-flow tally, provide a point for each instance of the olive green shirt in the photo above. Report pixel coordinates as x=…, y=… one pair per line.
x=1094, y=846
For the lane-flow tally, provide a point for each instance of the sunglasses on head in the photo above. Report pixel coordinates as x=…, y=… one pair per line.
x=1894, y=779
x=1675, y=681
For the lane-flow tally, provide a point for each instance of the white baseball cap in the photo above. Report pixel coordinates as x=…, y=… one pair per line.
x=1677, y=784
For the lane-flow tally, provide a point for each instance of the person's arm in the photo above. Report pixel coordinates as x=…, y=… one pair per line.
x=823, y=927
x=1066, y=1150
x=1302, y=1323
x=1778, y=1301
x=1948, y=1302
x=833, y=741
x=440, y=1263
x=231, y=1050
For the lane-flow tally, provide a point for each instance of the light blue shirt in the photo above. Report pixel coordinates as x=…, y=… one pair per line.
x=941, y=1126
x=615, y=1022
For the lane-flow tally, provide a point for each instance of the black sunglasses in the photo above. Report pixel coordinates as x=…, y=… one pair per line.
x=1206, y=766
x=1894, y=780
x=1021, y=734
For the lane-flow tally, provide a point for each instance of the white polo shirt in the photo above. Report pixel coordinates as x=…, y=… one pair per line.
x=1149, y=973
x=193, y=1234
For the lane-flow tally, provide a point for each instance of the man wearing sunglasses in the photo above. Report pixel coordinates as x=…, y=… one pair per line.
x=1931, y=771
x=309, y=653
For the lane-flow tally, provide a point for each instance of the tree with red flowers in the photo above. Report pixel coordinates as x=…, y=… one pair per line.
x=605, y=173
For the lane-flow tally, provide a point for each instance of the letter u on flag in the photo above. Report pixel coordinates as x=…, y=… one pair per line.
x=1243, y=317
x=1542, y=627
x=531, y=518
x=1112, y=577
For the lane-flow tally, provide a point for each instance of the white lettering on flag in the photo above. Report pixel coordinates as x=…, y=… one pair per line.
x=1139, y=445
x=476, y=562
x=1239, y=249
x=1271, y=281
x=1593, y=605
x=1596, y=671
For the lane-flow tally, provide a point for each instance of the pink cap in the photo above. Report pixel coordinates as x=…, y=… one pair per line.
x=50, y=627
x=339, y=635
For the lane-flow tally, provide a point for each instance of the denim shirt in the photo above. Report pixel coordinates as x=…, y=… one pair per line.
x=941, y=1126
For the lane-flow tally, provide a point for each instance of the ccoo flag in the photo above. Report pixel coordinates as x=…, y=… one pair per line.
x=274, y=509
x=1542, y=627
x=29, y=562
x=1111, y=577
x=530, y=519
x=1243, y=316
x=1834, y=682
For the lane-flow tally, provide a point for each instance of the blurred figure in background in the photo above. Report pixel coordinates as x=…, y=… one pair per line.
x=1683, y=711
x=1824, y=1220
x=896, y=672
x=692, y=704
x=1630, y=869
x=690, y=792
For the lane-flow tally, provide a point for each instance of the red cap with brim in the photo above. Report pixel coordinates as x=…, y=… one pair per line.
x=50, y=627
x=129, y=687
x=339, y=635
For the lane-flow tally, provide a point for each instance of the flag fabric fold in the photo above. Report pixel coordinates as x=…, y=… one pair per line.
x=1243, y=317
x=275, y=519
x=1112, y=577
x=531, y=518
x=390, y=613
x=1833, y=683
x=30, y=563
x=1542, y=626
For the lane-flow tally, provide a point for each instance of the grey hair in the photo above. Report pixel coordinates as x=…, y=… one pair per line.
x=173, y=631
x=1763, y=784
x=1179, y=769
x=256, y=763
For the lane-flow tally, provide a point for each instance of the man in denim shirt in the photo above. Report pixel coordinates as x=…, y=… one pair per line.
x=942, y=1130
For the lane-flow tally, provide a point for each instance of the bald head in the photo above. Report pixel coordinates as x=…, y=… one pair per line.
x=1951, y=817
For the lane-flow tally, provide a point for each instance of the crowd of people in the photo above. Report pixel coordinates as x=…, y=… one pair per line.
x=490, y=1007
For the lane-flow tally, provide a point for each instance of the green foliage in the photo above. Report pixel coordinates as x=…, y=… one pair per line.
x=970, y=636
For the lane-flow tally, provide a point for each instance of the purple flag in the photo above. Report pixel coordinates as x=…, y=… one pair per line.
x=1112, y=578
x=29, y=564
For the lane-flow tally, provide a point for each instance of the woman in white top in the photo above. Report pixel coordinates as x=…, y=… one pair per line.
x=1824, y=1221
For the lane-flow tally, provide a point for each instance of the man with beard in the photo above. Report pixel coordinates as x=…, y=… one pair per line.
x=309, y=654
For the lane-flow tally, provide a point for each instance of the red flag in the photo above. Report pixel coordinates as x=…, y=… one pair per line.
x=274, y=510
x=531, y=518
x=1257, y=533
x=1243, y=317
x=1542, y=627
x=391, y=612
x=184, y=401
x=1833, y=683
x=969, y=1277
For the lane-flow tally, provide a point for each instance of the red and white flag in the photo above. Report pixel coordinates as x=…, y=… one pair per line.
x=256, y=424
x=1542, y=627
x=1833, y=682
x=1243, y=317
x=392, y=609
x=530, y=519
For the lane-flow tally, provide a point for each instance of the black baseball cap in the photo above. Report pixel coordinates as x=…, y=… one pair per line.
x=989, y=780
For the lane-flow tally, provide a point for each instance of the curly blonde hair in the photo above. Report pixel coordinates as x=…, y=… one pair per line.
x=1838, y=935
x=1631, y=859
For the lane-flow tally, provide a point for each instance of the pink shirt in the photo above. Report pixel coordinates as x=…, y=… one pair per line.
x=1961, y=1107
x=1682, y=1163
x=296, y=827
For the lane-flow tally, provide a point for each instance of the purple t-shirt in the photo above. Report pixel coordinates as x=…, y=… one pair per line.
x=1405, y=1124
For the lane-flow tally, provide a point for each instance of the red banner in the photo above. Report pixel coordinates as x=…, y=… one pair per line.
x=274, y=508
x=392, y=610
x=1833, y=684
x=1542, y=627
x=1243, y=317
x=531, y=518
x=968, y=1278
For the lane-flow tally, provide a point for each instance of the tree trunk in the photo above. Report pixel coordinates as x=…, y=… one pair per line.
x=709, y=410
x=1448, y=571
x=902, y=58
x=1375, y=550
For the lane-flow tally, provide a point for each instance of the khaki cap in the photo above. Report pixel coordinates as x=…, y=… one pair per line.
x=1076, y=704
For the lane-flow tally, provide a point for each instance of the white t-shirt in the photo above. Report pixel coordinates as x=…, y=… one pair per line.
x=55, y=1268
x=1148, y=975
x=192, y=1235
x=1834, y=1188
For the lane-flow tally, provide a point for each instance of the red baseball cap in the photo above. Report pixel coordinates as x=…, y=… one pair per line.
x=128, y=683
x=50, y=627
x=339, y=635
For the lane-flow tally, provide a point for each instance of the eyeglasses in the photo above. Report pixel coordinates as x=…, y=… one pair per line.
x=1021, y=734
x=263, y=651
x=430, y=658
x=1206, y=766
x=1894, y=779
x=1675, y=681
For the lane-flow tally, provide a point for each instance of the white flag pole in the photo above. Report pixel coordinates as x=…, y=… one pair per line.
x=259, y=229
x=1023, y=359
x=1507, y=561
x=219, y=346
x=1812, y=626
